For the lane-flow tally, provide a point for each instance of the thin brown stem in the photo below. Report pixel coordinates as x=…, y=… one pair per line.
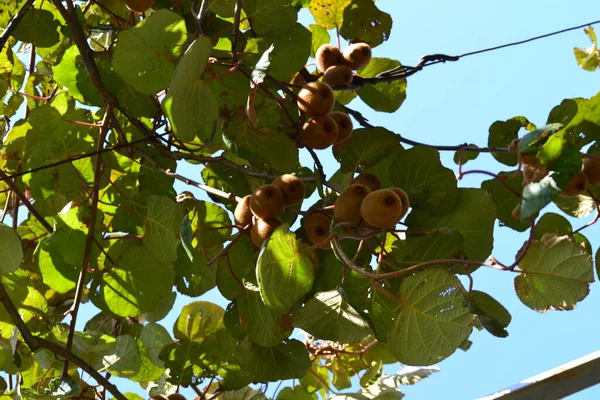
x=14, y=22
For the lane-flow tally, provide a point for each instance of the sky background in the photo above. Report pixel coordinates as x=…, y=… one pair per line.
x=454, y=103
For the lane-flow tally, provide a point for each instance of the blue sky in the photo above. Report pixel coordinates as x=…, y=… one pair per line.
x=455, y=103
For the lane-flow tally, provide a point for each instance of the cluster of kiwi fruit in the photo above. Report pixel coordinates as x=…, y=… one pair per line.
x=172, y=396
x=535, y=171
x=258, y=213
x=139, y=6
x=316, y=99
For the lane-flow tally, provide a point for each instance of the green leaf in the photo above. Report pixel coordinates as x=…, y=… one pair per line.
x=126, y=361
x=438, y=244
x=285, y=271
x=153, y=337
x=246, y=393
x=197, y=320
x=365, y=148
x=533, y=141
x=295, y=393
x=206, y=219
x=538, y=195
x=234, y=267
x=191, y=104
x=386, y=97
x=502, y=133
x=137, y=282
x=146, y=54
x=505, y=200
x=319, y=37
x=194, y=278
x=180, y=358
x=433, y=320
x=291, y=52
x=579, y=206
x=556, y=274
x=473, y=217
x=11, y=249
x=288, y=360
x=329, y=14
x=430, y=186
x=270, y=15
x=588, y=58
x=551, y=223
x=329, y=317
x=263, y=325
x=186, y=237
x=37, y=27
x=159, y=228
x=261, y=69
x=492, y=315
x=364, y=22
x=464, y=156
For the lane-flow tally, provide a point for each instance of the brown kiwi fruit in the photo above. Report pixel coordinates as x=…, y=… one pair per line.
x=347, y=205
x=317, y=228
x=344, y=124
x=403, y=198
x=577, y=185
x=533, y=169
x=357, y=55
x=266, y=202
x=326, y=56
x=319, y=132
x=138, y=6
x=158, y=397
x=381, y=209
x=338, y=75
x=591, y=169
x=368, y=179
x=262, y=229
x=316, y=99
x=176, y=396
x=242, y=214
x=292, y=188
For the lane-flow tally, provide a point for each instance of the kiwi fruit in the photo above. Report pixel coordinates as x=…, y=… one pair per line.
x=176, y=396
x=576, y=186
x=262, y=229
x=381, y=209
x=344, y=124
x=266, y=201
x=403, y=198
x=326, y=56
x=291, y=187
x=368, y=179
x=347, y=205
x=242, y=214
x=357, y=55
x=317, y=228
x=158, y=397
x=316, y=99
x=319, y=132
x=139, y=6
x=591, y=169
x=533, y=169
x=338, y=75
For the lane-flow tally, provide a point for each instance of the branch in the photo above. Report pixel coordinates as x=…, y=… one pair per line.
x=69, y=356
x=237, y=10
x=25, y=201
x=29, y=339
x=91, y=232
x=12, y=24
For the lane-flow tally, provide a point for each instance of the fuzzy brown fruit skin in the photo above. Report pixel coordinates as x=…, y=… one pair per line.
x=591, y=169
x=533, y=169
x=292, y=188
x=176, y=396
x=319, y=132
x=158, y=397
x=403, y=198
x=317, y=228
x=577, y=185
x=242, y=214
x=368, y=179
x=262, y=230
x=326, y=56
x=347, y=205
x=344, y=124
x=316, y=99
x=139, y=6
x=266, y=202
x=357, y=55
x=338, y=75
x=381, y=209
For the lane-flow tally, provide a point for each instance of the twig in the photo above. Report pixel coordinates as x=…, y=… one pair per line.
x=69, y=356
x=29, y=339
x=12, y=24
x=237, y=10
x=15, y=189
x=98, y=166
x=200, y=15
